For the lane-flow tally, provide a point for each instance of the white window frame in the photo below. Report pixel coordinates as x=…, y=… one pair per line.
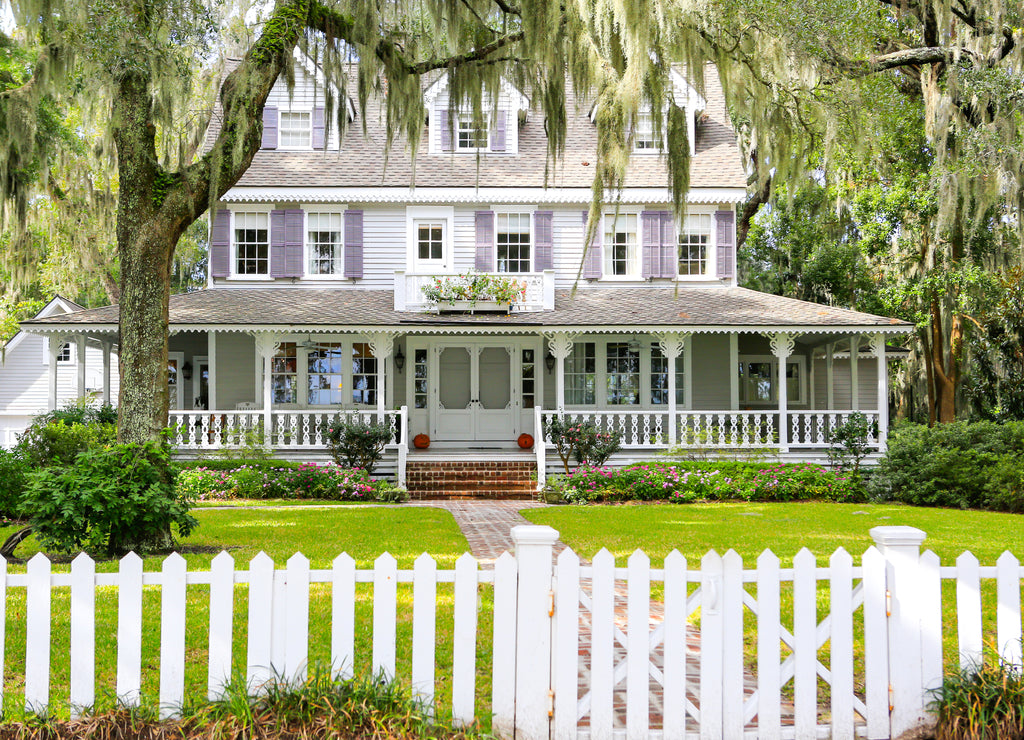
x=308, y=111
x=233, y=272
x=636, y=272
x=601, y=374
x=416, y=215
x=70, y=347
x=799, y=360
x=645, y=126
x=307, y=255
x=302, y=371
x=710, y=267
x=527, y=211
x=467, y=118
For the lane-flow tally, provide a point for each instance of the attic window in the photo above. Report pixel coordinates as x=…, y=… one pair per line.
x=296, y=129
x=644, y=139
x=472, y=134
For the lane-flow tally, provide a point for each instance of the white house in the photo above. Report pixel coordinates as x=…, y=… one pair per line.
x=42, y=372
x=323, y=257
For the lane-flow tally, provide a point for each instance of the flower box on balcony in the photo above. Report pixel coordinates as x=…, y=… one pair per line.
x=473, y=292
x=474, y=307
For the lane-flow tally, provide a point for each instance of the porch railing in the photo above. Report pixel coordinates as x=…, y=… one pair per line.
x=813, y=428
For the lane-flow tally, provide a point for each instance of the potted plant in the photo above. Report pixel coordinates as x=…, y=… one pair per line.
x=473, y=290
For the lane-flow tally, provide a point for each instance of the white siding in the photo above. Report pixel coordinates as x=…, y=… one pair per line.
x=304, y=96
x=505, y=103
x=383, y=246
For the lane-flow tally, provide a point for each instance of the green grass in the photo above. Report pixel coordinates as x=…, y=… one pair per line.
x=321, y=534
x=249, y=503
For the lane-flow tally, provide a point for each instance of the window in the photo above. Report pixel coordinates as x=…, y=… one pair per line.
x=644, y=139
x=284, y=375
x=324, y=243
x=581, y=374
x=620, y=253
x=324, y=374
x=528, y=378
x=759, y=379
x=252, y=247
x=471, y=134
x=64, y=353
x=659, y=378
x=430, y=240
x=295, y=129
x=513, y=238
x=693, y=244
x=623, y=374
x=419, y=387
x=364, y=375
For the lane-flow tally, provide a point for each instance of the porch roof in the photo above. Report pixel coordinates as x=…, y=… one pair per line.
x=694, y=309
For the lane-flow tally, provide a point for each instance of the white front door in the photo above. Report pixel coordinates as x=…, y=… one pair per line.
x=474, y=388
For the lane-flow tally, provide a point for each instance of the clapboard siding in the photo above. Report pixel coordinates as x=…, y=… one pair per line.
x=303, y=97
x=235, y=374
x=24, y=375
x=384, y=234
x=867, y=382
x=505, y=103
x=710, y=378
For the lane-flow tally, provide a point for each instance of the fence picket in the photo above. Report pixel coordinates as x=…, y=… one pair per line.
x=83, y=633
x=424, y=627
x=37, y=634
x=930, y=586
x=503, y=681
x=732, y=644
x=278, y=623
x=711, y=646
x=769, y=648
x=968, y=611
x=567, y=639
x=385, y=598
x=876, y=644
x=129, y=630
x=222, y=603
x=172, y=635
x=296, y=654
x=1008, y=610
x=261, y=596
x=602, y=649
x=464, y=649
x=675, y=645
x=805, y=647
x=841, y=643
x=638, y=611
x=343, y=625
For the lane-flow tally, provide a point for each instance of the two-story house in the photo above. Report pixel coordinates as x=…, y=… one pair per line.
x=325, y=255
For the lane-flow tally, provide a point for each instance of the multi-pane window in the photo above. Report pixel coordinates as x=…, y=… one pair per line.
x=364, y=375
x=513, y=239
x=430, y=240
x=324, y=243
x=252, y=247
x=284, y=374
x=759, y=380
x=644, y=139
x=659, y=378
x=622, y=374
x=295, y=129
x=471, y=134
x=419, y=388
x=64, y=353
x=694, y=239
x=620, y=251
x=581, y=374
x=324, y=374
x=529, y=378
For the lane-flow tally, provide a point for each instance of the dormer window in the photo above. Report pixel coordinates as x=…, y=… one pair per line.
x=644, y=139
x=296, y=129
x=472, y=134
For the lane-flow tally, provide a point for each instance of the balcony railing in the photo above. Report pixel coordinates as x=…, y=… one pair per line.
x=539, y=295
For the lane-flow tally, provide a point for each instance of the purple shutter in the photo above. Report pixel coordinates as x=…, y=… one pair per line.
x=544, y=256
x=277, y=244
x=592, y=264
x=269, y=127
x=353, y=244
x=668, y=245
x=319, y=140
x=220, y=244
x=650, y=244
x=485, y=241
x=498, y=135
x=294, y=221
x=444, y=126
x=725, y=244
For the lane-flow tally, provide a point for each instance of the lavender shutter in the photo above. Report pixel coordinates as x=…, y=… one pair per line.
x=485, y=241
x=650, y=244
x=319, y=139
x=725, y=244
x=592, y=264
x=220, y=244
x=444, y=125
x=353, y=244
x=668, y=246
x=498, y=135
x=269, y=127
x=277, y=244
x=294, y=221
x=544, y=257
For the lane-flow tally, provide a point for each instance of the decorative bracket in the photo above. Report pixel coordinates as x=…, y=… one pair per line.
x=672, y=343
x=382, y=343
x=267, y=344
x=781, y=343
x=877, y=342
x=560, y=343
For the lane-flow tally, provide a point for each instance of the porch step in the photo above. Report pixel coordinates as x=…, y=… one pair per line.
x=472, y=479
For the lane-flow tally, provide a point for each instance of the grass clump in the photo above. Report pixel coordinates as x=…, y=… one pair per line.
x=983, y=702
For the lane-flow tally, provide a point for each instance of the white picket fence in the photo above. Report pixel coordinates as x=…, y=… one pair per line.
x=579, y=650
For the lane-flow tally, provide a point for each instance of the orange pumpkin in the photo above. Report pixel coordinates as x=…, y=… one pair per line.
x=525, y=441
x=422, y=441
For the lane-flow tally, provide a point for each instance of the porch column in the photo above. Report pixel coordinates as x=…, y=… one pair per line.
x=782, y=345
x=211, y=359
x=830, y=385
x=382, y=344
x=854, y=380
x=878, y=349
x=107, y=345
x=267, y=345
x=734, y=372
x=80, y=365
x=560, y=344
x=51, y=382
x=672, y=344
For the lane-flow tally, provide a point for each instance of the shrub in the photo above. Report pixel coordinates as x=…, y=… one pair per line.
x=582, y=441
x=981, y=703
x=849, y=441
x=75, y=412
x=13, y=478
x=60, y=442
x=301, y=481
x=202, y=484
x=109, y=500
x=356, y=443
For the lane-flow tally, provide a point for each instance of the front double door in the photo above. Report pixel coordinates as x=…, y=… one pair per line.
x=475, y=393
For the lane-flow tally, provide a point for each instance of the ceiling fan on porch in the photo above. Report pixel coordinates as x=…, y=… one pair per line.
x=309, y=343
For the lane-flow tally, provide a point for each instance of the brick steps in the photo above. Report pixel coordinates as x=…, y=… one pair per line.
x=504, y=480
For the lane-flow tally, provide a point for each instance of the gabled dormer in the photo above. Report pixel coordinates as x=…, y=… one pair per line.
x=454, y=130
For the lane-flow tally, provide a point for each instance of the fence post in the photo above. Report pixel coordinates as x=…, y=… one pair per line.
x=534, y=597
x=901, y=548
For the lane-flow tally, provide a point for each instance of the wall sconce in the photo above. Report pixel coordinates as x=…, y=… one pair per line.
x=549, y=362
x=186, y=371
x=399, y=360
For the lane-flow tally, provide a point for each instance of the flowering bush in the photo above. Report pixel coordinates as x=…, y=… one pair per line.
x=474, y=287
x=328, y=482
x=582, y=441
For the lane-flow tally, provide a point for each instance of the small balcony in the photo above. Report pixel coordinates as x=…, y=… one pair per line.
x=538, y=293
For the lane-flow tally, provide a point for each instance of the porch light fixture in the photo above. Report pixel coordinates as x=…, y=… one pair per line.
x=399, y=360
x=186, y=371
x=549, y=362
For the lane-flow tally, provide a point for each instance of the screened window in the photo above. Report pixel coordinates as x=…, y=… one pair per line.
x=644, y=139
x=324, y=374
x=284, y=374
x=659, y=378
x=430, y=240
x=364, y=375
x=620, y=244
x=513, y=239
x=324, y=243
x=622, y=374
x=471, y=134
x=581, y=375
x=694, y=239
x=295, y=128
x=252, y=247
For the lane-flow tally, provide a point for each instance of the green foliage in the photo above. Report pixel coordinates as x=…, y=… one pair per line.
x=357, y=444
x=302, y=481
x=79, y=412
x=959, y=465
x=582, y=441
x=12, y=312
x=984, y=702
x=107, y=501
x=472, y=288
x=13, y=479
x=849, y=441
x=60, y=442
